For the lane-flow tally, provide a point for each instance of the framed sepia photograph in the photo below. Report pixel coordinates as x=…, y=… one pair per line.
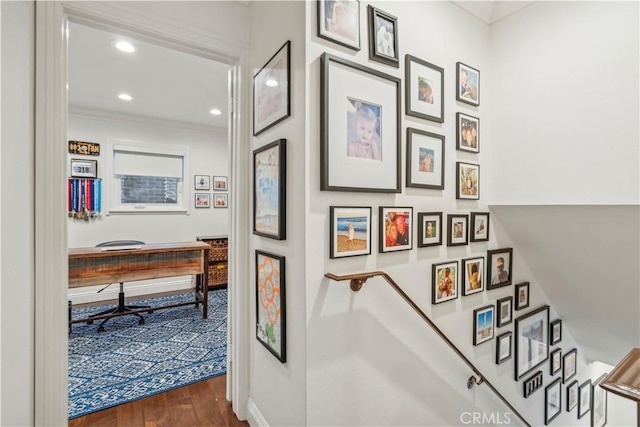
x=483, y=321
x=395, y=229
x=429, y=229
x=467, y=133
x=473, y=275
x=468, y=84
x=424, y=89
x=444, y=280
x=569, y=365
x=271, y=303
x=499, y=271
x=383, y=37
x=220, y=183
x=202, y=182
x=360, y=128
x=504, y=311
x=556, y=361
x=269, y=190
x=457, y=230
x=480, y=226
x=599, y=403
x=572, y=395
x=467, y=181
x=503, y=347
x=425, y=159
x=202, y=200
x=521, y=296
x=556, y=331
x=220, y=200
x=584, y=398
x=339, y=22
x=271, y=92
x=552, y=401
x=350, y=231
x=531, y=341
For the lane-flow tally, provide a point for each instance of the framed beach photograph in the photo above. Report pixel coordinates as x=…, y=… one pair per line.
x=202, y=200
x=499, y=271
x=424, y=89
x=269, y=190
x=584, y=398
x=467, y=181
x=552, y=401
x=360, y=128
x=383, y=37
x=473, y=275
x=503, y=347
x=270, y=303
x=220, y=183
x=429, y=229
x=395, y=229
x=599, y=403
x=350, y=231
x=569, y=365
x=467, y=84
x=271, y=93
x=504, y=311
x=531, y=341
x=480, y=226
x=467, y=133
x=425, y=159
x=202, y=182
x=483, y=321
x=521, y=295
x=81, y=168
x=572, y=395
x=444, y=280
x=457, y=230
x=220, y=200
x=556, y=331
x=555, y=365
x=339, y=22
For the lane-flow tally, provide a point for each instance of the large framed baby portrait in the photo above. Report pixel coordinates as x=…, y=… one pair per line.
x=360, y=132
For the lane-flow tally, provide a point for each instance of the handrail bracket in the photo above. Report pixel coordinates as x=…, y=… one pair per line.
x=356, y=284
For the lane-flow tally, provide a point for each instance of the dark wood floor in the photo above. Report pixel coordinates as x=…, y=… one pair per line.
x=199, y=404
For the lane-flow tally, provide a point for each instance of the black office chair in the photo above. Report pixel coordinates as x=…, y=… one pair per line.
x=121, y=308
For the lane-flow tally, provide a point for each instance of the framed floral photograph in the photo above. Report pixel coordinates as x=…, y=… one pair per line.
x=467, y=181
x=220, y=200
x=269, y=190
x=569, y=365
x=556, y=361
x=468, y=84
x=339, y=22
x=350, y=231
x=202, y=200
x=521, y=297
x=425, y=159
x=201, y=182
x=429, y=229
x=503, y=347
x=383, y=37
x=395, y=229
x=360, y=128
x=444, y=279
x=457, y=230
x=483, y=321
x=480, y=224
x=584, y=398
x=271, y=303
x=599, y=403
x=504, y=311
x=473, y=275
x=572, y=395
x=424, y=89
x=552, y=401
x=499, y=270
x=468, y=133
x=556, y=331
x=271, y=93
x=531, y=341
x=220, y=183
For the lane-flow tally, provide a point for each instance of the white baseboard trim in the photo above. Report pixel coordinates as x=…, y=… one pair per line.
x=255, y=418
x=131, y=289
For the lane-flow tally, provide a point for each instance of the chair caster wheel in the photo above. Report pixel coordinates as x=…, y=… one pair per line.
x=101, y=329
x=141, y=322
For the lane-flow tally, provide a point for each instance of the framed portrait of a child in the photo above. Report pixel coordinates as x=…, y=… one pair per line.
x=468, y=84
x=424, y=89
x=444, y=282
x=425, y=159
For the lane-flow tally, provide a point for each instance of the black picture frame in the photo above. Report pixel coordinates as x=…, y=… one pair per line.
x=555, y=333
x=555, y=361
x=473, y=275
x=444, y=282
x=502, y=341
x=345, y=222
x=482, y=332
x=425, y=159
x=391, y=237
x=569, y=365
x=498, y=277
x=552, y=401
x=429, y=228
x=584, y=398
x=470, y=92
x=340, y=26
x=371, y=92
x=531, y=384
x=521, y=296
x=381, y=49
x=271, y=312
x=572, y=395
x=467, y=133
x=504, y=311
x=424, y=89
x=598, y=403
x=269, y=181
x=271, y=91
x=531, y=340
x=457, y=230
x=467, y=181
x=479, y=226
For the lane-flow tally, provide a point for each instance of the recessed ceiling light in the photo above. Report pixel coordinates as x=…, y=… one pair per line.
x=125, y=97
x=215, y=112
x=125, y=47
x=271, y=83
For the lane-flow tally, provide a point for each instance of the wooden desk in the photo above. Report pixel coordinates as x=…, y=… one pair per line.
x=102, y=265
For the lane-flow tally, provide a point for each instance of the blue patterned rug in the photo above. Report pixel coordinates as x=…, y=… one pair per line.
x=175, y=347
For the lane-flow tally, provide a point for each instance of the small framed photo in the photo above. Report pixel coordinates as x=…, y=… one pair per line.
x=202, y=200
x=271, y=94
x=556, y=331
x=424, y=89
x=468, y=133
x=444, y=279
x=503, y=347
x=81, y=168
x=569, y=365
x=269, y=190
x=271, y=312
x=572, y=395
x=202, y=182
x=599, y=403
x=468, y=84
x=425, y=159
x=467, y=181
x=480, y=224
x=383, y=37
x=220, y=183
x=339, y=22
x=584, y=398
x=531, y=384
x=473, y=275
x=457, y=230
x=220, y=200
x=521, y=296
x=395, y=229
x=350, y=231
x=429, y=229
x=556, y=361
x=531, y=341
x=504, y=311
x=483, y=320
x=499, y=270
x=552, y=401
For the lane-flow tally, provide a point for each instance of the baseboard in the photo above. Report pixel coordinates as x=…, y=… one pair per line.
x=255, y=418
x=131, y=289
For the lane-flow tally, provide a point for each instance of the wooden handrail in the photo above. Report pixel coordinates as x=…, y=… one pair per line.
x=357, y=281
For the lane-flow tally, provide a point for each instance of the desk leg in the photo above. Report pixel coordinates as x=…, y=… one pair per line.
x=205, y=290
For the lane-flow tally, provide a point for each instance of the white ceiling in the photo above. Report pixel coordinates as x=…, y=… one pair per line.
x=492, y=11
x=165, y=84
